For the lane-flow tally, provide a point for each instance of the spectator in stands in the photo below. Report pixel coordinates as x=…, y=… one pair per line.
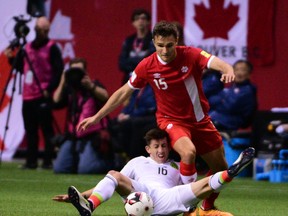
x=235, y=106
x=138, y=45
x=81, y=152
x=211, y=82
x=134, y=120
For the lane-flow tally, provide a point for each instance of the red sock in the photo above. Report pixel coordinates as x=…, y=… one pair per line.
x=209, y=173
x=208, y=203
x=187, y=169
x=225, y=177
x=96, y=201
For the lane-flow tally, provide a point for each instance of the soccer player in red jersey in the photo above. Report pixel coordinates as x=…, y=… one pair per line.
x=174, y=72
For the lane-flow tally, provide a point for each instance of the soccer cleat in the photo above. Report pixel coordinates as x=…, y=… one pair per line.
x=211, y=212
x=188, y=214
x=80, y=203
x=191, y=211
x=244, y=159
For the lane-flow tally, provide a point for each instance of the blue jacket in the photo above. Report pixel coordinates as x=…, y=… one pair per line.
x=129, y=59
x=234, y=107
x=142, y=102
x=211, y=83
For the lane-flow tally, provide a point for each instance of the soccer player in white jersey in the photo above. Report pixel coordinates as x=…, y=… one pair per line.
x=159, y=177
x=174, y=73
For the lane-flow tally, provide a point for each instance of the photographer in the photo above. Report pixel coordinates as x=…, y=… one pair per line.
x=41, y=63
x=81, y=152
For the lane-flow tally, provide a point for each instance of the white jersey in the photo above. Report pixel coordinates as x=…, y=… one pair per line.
x=162, y=182
x=147, y=171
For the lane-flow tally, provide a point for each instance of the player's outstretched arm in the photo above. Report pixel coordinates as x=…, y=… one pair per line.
x=61, y=198
x=116, y=99
x=225, y=68
x=65, y=197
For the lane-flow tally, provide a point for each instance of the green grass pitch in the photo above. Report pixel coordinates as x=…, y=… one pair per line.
x=29, y=192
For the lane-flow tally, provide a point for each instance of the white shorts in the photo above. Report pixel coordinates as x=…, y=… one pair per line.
x=169, y=201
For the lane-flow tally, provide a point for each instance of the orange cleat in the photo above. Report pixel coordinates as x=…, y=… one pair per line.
x=210, y=212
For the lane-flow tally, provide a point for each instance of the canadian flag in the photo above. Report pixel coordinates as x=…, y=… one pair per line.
x=229, y=29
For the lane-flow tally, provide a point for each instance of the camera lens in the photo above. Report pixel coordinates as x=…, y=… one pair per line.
x=74, y=76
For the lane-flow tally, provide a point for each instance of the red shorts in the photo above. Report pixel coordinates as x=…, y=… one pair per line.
x=203, y=134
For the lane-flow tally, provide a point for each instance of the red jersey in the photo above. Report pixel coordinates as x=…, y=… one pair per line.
x=177, y=85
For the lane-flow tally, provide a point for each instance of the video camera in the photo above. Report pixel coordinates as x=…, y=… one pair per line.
x=21, y=30
x=73, y=77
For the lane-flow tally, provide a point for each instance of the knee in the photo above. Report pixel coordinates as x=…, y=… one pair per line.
x=188, y=154
x=186, y=149
x=115, y=174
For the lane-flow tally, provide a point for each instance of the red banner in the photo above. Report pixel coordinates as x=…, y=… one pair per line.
x=230, y=29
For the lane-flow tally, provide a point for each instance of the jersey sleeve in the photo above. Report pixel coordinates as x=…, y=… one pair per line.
x=138, y=79
x=200, y=57
x=128, y=169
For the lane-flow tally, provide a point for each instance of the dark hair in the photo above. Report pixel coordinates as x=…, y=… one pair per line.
x=156, y=133
x=180, y=32
x=78, y=60
x=249, y=64
x=165, y=29
x=138, y=12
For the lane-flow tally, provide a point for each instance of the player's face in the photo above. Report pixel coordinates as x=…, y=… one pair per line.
x=165, y=47
x=158, y=150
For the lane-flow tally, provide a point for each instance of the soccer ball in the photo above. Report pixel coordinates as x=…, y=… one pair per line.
x=138, y=204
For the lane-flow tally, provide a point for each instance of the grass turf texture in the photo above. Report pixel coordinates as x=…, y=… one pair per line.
x=29, y=192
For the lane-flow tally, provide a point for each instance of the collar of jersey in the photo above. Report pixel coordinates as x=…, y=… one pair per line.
x=167, y=161
x=161, y=61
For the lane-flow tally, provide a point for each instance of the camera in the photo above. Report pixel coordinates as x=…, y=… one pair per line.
x=21, y=30
x=73, y=77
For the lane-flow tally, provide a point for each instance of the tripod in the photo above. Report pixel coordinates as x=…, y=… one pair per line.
x=17, y=70
x=17, y=63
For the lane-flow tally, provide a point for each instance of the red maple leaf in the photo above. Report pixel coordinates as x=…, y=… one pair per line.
x=216, y=21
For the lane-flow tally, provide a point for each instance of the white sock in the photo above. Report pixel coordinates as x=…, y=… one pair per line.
x=189, y=179
x=215, y=183
x=106, y=187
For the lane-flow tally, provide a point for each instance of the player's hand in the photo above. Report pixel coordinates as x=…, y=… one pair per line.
x=61, y=198
x=86, y=123
x=227, y=78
